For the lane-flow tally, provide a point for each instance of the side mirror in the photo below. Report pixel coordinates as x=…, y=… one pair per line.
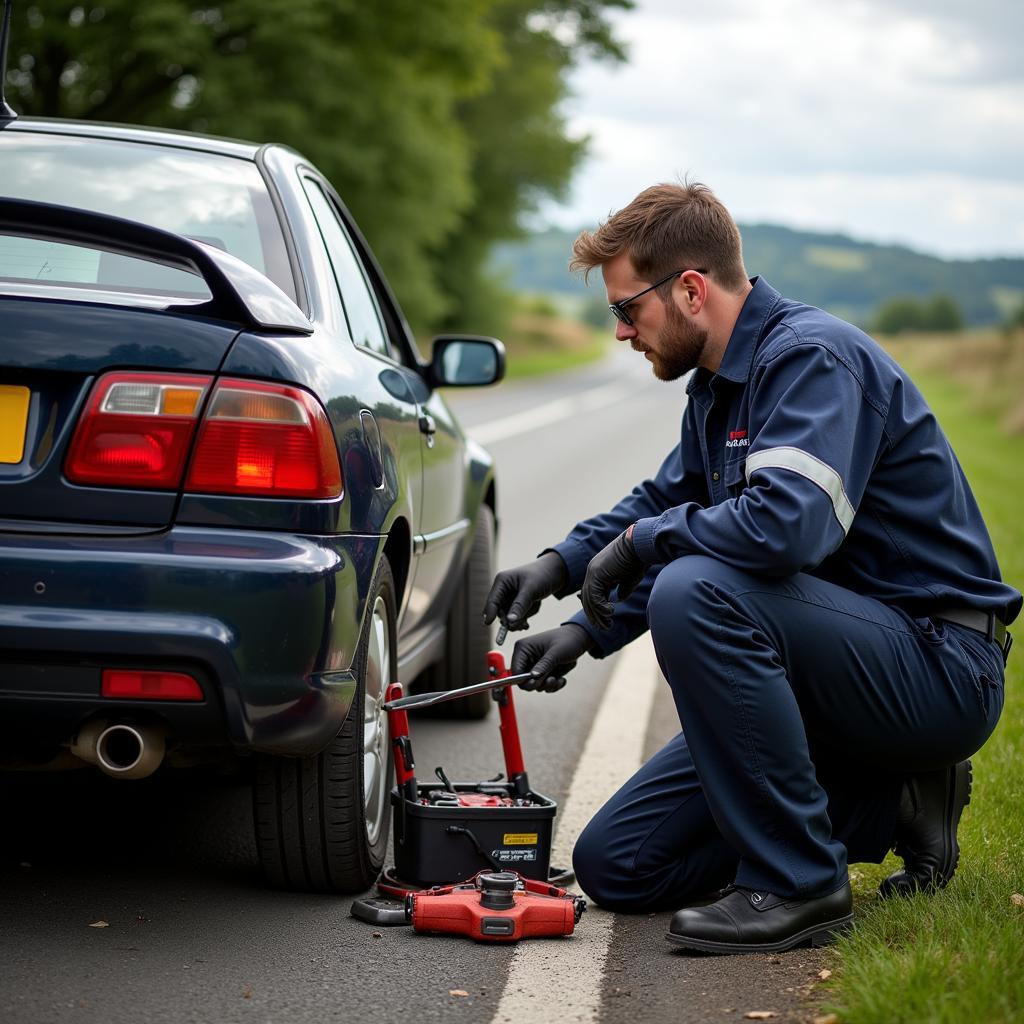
x=466, y=362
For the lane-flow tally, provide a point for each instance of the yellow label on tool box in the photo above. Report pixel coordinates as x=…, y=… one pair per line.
x=13, y=417
x=519, y=839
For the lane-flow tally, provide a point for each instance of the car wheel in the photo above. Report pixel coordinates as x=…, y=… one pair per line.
x=469, y=640
x=322, y=822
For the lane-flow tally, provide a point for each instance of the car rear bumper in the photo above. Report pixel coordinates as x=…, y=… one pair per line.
x=267, y=623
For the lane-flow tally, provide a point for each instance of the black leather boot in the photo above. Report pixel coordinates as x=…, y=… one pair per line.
x=746, y=921
x=930, y=810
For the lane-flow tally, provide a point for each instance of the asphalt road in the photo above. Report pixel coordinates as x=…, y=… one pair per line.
x=193, y=935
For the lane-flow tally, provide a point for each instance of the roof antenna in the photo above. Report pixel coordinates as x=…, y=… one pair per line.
x=6, y=113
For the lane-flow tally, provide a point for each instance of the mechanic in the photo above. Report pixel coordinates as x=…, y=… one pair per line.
x=821, y=591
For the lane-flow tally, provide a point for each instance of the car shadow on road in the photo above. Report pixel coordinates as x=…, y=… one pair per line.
x=80, y=823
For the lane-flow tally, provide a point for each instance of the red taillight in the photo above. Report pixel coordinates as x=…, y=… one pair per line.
x=149, y=685
x=136, y=430
x=267, y=440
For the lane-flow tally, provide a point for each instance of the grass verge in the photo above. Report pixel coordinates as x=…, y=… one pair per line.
x=958, y=957
x=540, y=341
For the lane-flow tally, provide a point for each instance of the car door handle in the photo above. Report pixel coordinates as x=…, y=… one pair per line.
x=428, y=427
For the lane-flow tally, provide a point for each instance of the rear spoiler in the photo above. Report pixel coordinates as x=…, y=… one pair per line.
x=239, y=293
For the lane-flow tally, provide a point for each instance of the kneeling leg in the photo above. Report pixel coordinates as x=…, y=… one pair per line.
x=654, y=845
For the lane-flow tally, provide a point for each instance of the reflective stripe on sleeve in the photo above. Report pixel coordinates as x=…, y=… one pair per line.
x=813, y=469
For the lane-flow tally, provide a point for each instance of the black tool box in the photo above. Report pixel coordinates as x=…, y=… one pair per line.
x=434, y=844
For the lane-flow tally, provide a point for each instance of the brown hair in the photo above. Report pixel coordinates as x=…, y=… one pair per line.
x=664, y=228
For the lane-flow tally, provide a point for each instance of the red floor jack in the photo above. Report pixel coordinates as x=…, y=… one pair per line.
x=496, y=835
x=495, y=906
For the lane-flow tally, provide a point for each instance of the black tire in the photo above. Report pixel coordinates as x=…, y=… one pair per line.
x=313, y=831
x=468, y=639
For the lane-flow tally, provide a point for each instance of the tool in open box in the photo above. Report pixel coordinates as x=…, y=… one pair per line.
x=443, y=835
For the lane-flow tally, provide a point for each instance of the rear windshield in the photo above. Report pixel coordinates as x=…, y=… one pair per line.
x=217, y=199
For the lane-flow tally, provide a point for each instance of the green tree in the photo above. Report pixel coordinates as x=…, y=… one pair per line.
x=1015, y=320
x=942, y=314
x=380, y=96
x=899, y=315
x=521, y=151
x=595, y=313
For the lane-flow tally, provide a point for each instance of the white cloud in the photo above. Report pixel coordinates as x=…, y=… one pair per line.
x=903, y=121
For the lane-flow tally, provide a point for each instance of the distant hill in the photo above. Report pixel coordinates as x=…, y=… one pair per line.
x=849, y=278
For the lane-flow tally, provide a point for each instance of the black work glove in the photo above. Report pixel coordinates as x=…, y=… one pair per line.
x=549, y=656
x=615, y=565
x=516, y=594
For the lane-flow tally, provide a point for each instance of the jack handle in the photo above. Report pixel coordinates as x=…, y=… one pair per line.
x=401, y=744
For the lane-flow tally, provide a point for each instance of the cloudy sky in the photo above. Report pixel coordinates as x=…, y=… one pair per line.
x=896, y=121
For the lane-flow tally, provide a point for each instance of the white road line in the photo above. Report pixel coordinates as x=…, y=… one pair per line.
x=560, y=979
x=552, y=412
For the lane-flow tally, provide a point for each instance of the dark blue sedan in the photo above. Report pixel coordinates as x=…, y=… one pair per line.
x=233, y=504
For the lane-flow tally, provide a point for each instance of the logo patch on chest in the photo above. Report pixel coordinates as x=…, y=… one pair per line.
x=737, y=439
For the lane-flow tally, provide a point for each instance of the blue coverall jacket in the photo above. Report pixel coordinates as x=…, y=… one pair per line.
x=810, y=450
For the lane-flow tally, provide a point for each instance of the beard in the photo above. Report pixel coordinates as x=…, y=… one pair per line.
x=680, y=344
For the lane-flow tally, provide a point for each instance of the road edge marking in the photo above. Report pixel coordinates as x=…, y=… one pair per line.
x=560, y=979
x=551, y=412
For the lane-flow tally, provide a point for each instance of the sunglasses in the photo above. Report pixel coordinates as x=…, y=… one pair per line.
x=619, y=308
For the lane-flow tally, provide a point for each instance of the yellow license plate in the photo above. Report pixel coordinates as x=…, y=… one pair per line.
x=13, y=416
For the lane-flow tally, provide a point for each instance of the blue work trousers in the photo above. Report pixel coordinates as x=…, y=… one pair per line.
x=803, y=708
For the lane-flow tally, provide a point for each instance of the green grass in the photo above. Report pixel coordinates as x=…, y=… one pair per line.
x=538, y=363
x=957, y=957
x=534, y=359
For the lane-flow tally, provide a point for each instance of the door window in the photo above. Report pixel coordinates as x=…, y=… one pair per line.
x=364, y=321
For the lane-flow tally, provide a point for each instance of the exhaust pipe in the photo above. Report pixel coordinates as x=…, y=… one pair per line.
x=121, y=750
